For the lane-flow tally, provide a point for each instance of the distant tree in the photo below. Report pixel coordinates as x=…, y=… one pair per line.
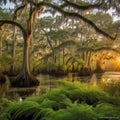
x=25, y=78
x=66, y=7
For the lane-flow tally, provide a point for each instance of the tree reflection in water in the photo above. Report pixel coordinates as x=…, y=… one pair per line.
x=4, y=88
x=47, y=82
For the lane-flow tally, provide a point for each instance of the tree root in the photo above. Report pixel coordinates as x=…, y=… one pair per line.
x=2, y=79
x=24, y=81
x=85, y=71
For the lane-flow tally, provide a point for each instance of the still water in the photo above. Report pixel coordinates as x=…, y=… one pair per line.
x=47, y=82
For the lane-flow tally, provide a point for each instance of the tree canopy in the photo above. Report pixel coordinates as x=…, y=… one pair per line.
x=74, y=22
x=73, y=8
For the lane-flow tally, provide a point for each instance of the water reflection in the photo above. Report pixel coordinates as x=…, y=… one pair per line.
x=111, y=77
x=47, y=82
x=111, y=82
x=4, y=88
x=94, y=80
x=75, y=77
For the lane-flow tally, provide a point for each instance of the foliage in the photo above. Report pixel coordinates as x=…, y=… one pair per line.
x=5, y=61
x=107, y=110
x=74, y=112
x=51, y=67
x=71, y=101
x=47, y=67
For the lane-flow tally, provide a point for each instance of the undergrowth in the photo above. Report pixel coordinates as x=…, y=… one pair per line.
x=70, y=101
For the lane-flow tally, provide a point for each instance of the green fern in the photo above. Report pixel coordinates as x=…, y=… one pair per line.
x=26, y=108
x=71, y=101
x=74, y=112
x=109, y=110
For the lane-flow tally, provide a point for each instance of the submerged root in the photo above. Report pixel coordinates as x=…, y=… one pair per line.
x=24, y=81
x=2, y=79
x=85, y=71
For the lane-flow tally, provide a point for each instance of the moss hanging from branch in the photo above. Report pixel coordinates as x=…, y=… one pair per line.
x=77, y=15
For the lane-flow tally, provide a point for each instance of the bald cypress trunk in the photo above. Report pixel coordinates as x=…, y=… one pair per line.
x=26, y=68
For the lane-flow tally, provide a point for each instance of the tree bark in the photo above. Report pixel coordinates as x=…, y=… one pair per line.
x=26, y=68
x=25, y=78
x=0, y=46
x=13, y=54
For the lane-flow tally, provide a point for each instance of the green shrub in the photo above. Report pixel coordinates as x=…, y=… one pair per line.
x=107, y=110
x=71, y=101
x=48, y=67
x=5, y=62
x=82, y=92
x=51, y=67
x=74, y=112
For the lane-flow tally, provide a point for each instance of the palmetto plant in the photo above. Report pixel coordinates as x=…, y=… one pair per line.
x=71, y=101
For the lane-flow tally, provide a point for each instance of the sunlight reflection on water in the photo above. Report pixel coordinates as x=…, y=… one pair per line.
x=47, y=82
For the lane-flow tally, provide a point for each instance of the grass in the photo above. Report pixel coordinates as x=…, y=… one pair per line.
x=70, y=101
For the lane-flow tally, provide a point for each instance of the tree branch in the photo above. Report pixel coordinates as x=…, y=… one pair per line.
x=85, y=7
x=73, y=14
x=90, y=23
x=19, y=8
x=3, y=22
x=48, y=40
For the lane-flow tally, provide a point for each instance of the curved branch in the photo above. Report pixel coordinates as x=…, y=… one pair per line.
x=90, y=23
x=3, y=22
x=94, y=49
x=73, y=14
x=48, y=40
x=32, y=2
x=85, y=7
x=19, y=8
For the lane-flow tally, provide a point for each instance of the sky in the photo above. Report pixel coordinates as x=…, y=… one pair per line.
x=115, y=18
x=8, y=5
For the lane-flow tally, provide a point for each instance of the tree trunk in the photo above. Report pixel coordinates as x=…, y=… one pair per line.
x=59, y=55
x=2, y=77
x=25, y=78
x=12, y=70
x=26, y=69
x=0, y=46
x=63, y=56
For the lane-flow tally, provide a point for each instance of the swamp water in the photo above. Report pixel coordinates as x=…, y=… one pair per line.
x=47, y=82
